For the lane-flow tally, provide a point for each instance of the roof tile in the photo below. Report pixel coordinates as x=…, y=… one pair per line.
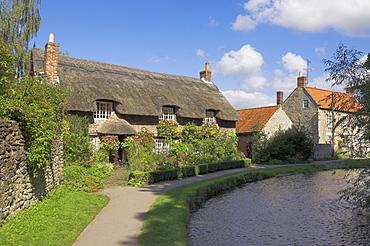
x=342, y=101
x=254, y=117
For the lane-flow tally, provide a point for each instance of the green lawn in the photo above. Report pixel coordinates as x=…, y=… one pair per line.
x=56, y=220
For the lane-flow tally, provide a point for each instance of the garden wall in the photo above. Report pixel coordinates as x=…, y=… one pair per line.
x=20, y=185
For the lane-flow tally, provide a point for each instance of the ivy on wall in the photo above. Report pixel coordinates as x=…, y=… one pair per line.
x=39, y=106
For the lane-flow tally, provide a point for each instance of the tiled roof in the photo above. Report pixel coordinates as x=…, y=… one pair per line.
x=342, y=101
x=254, y=117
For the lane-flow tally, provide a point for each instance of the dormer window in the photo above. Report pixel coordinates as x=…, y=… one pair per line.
x=167, y=114
x=103, y=110
x=210, y=116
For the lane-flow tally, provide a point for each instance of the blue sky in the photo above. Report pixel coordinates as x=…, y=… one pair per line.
x=255, y=47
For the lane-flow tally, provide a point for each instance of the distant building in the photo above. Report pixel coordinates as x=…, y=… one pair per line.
x=266, y=119
x=323, y=113
x=319, y=111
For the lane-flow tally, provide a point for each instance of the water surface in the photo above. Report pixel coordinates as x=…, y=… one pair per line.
x=299, y=209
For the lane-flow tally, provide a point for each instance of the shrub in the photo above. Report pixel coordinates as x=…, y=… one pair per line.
x=288, y=146
x=88, y=179
x=77, y=148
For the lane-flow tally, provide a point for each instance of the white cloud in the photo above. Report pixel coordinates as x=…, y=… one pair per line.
x=320, y=82
x=244, y=23
x=244, y=100
x=244, y=67
x=213, y=22
x=156, y=59
x=200, y=53
x=283, y=82
x=348, y=17
x=320, y=52
x=293, y=62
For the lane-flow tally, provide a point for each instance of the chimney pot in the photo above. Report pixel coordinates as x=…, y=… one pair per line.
x=206, y=74
x=51, y=37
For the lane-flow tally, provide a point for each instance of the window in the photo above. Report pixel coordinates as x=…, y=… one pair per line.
x=210, y=116
x=103, y=110
x=161, y=145
x=330, y=119
x=167, y=114
x=305, y=103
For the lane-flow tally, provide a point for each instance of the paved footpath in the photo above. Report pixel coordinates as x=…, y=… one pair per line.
x=120, y=222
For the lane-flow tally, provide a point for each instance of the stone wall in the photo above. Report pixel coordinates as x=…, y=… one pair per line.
x=300, y=115
x=20, y=185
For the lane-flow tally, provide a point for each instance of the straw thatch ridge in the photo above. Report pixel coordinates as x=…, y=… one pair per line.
x=135, y=91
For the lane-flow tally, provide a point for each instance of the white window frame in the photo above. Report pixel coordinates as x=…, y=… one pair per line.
x=103, y=110
x=167, y=114
x=305, y=103
x=210, y=116
x=330, y=119
x=161, y=145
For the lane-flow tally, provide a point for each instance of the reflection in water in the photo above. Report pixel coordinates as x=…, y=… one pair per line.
x=290, y=210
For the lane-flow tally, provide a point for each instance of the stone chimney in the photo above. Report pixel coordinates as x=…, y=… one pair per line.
x=279, y=97
x=206, y=74
x=51, y=59
x=301, y=80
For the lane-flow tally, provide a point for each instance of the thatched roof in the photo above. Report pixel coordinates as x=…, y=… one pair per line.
x=116, y=126
x=135, y=91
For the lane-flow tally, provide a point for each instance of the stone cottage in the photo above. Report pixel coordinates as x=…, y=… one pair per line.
x=266, y=119
x=318, y=111
x=120, y=100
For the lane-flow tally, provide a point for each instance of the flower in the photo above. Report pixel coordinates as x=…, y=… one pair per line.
x=168, y=129
x=110, y=143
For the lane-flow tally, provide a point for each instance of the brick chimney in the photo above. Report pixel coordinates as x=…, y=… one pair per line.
x=51, y=59
x=279, y=97
x=301, y=80
x=206, y=74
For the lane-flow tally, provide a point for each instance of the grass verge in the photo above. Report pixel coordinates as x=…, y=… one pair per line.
x=56, y=220
x=166, y=222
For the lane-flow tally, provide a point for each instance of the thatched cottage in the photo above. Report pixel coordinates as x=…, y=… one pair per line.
x=121, y=100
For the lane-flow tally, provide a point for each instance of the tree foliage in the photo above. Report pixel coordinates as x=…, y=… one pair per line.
x=7, y=66
x=77, y=148
x=350, y=68
x=19, y=22
x=287, y=146
x=40, y=107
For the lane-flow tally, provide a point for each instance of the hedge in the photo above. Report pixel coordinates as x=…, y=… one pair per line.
x=188, y=171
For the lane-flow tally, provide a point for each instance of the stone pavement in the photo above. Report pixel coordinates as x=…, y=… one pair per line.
x=120, y=222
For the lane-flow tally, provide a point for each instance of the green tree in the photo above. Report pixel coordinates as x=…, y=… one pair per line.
x=287, y=146
x=6, y=66
x=19, y=22
x=347, y=68
x=40, y=107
